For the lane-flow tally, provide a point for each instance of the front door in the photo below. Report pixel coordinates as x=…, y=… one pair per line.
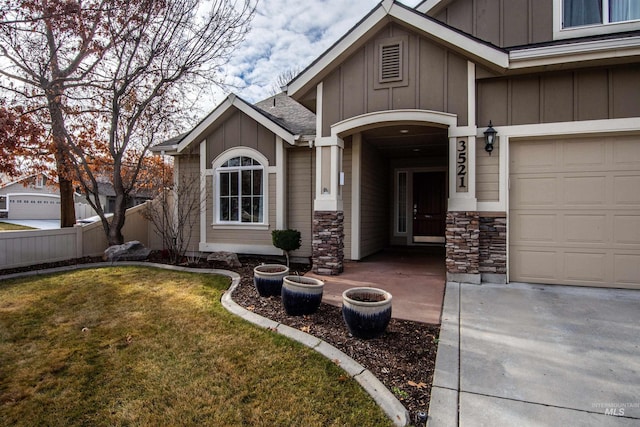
x=429, y=207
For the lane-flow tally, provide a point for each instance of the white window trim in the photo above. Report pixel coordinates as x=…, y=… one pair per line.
x=589, y=30
x=6, y=203
x=217, y=164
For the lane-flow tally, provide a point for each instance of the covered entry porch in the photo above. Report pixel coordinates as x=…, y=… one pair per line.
x=415, y=276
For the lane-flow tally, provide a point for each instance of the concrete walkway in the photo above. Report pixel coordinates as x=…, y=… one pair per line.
x=537, y=355
x=415, y=277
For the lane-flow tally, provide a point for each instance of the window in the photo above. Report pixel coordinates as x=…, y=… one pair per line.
x=577, y=13
x=39, y=181
x=240, y=191
x=401, y=203
x=3, y=203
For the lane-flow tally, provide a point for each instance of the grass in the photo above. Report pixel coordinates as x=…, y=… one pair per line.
x=142, y=346
x=5, y=226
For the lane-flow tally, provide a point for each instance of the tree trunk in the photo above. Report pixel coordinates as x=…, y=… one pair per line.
x=65, y=181
x=115, y=236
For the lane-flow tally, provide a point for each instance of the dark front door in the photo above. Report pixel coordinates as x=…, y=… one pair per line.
x=429, y=206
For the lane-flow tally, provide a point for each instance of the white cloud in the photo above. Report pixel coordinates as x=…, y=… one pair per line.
x=289, y=34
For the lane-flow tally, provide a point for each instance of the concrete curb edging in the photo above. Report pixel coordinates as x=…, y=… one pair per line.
x=372, y=385
x=391, y=406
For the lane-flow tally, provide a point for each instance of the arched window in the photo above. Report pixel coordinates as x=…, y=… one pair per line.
x=240, y=191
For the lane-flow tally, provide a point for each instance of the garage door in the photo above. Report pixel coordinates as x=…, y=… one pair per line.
x=574, y=214
x=34, y=206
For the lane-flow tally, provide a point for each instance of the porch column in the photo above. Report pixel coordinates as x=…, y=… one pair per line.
x=463, y=221
x=328, y=215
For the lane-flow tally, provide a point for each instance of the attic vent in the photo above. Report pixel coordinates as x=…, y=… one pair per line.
x=390, y=62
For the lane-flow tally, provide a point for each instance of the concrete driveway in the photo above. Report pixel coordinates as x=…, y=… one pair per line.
x=537, y=355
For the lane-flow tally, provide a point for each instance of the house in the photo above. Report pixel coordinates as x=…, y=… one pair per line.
x=34, y=196
x=507, y=131
x=107, y=196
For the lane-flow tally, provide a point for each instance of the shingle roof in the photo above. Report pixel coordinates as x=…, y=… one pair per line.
x=290, y=114
x=282, y=110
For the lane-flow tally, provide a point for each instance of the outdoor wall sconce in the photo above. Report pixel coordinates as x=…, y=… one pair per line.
x=490, y=135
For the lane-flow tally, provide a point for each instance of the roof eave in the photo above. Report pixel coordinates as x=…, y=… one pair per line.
x=488, y=55
x=582, y=52
x=198, y=133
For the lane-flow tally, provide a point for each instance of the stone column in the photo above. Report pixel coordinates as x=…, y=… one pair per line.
x=328, y=242
x=493, y=247
x=463, y=247
x=328, y=216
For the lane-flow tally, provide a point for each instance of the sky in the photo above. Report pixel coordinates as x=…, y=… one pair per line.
x=288, y=35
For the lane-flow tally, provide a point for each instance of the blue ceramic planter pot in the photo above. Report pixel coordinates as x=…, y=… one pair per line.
x=301, y=295
x=366, y=311
x=267, y=278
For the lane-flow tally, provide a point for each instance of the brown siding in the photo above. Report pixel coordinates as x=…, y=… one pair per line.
x=436, y=79
x=374, y=216
x=558, y=98
x=432, y=69
x=189, y=170
x=347, y=167
x=240, y=130
x=300, y=190
x=591, y=94
x=502, y=22
x=487, y=172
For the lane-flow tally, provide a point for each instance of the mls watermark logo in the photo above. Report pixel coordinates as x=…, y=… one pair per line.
x=616, y=409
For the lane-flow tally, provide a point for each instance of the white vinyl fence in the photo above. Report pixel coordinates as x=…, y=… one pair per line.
x=22, y=248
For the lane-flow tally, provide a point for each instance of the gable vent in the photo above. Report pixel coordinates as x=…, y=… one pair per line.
x=390, y=62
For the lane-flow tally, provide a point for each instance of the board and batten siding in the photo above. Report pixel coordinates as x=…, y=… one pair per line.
x=374, y=199
x=487, y=172
x=590, y=94
x=241, y=130
x=436, y=79
x=188, y=168
x=300, y=193
x=347, y=190
x=503, y=23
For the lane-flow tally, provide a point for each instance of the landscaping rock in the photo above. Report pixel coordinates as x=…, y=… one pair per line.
x=129, y=251
x=229, y=259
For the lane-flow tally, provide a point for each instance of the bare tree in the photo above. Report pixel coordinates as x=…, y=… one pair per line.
x=175, y=214
x=48, y=49
x=283, y=79
x=130, y=64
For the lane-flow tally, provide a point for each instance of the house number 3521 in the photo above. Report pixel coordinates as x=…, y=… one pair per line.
x=461, y=166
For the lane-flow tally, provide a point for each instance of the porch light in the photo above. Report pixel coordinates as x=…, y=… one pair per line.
x=490, y=134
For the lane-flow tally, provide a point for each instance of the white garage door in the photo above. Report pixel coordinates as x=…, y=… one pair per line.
x=34, y=206
x=575, y=211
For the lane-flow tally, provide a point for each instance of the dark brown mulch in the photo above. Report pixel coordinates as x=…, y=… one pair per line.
x=403, y=358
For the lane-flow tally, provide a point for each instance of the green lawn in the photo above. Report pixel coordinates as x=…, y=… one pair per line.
x=5, y=226
x=143, y=346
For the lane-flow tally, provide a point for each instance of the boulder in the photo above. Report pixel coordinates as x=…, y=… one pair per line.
x=129, y=251
x=229, y=259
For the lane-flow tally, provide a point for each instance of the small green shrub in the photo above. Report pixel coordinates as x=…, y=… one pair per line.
x=287, y=240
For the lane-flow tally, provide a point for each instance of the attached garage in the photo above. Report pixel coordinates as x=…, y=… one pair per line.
x=574, y=211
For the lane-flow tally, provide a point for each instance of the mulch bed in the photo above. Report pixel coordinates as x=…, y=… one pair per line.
x=403, y=358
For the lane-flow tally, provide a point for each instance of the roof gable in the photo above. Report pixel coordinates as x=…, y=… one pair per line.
x=221, y=113
x=389, y=11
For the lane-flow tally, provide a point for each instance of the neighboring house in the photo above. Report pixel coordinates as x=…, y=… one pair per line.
x=392, y=149
x=107, y=196
x=31, y=197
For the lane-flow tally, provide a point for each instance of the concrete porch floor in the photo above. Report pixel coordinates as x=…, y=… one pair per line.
x=415, y=277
